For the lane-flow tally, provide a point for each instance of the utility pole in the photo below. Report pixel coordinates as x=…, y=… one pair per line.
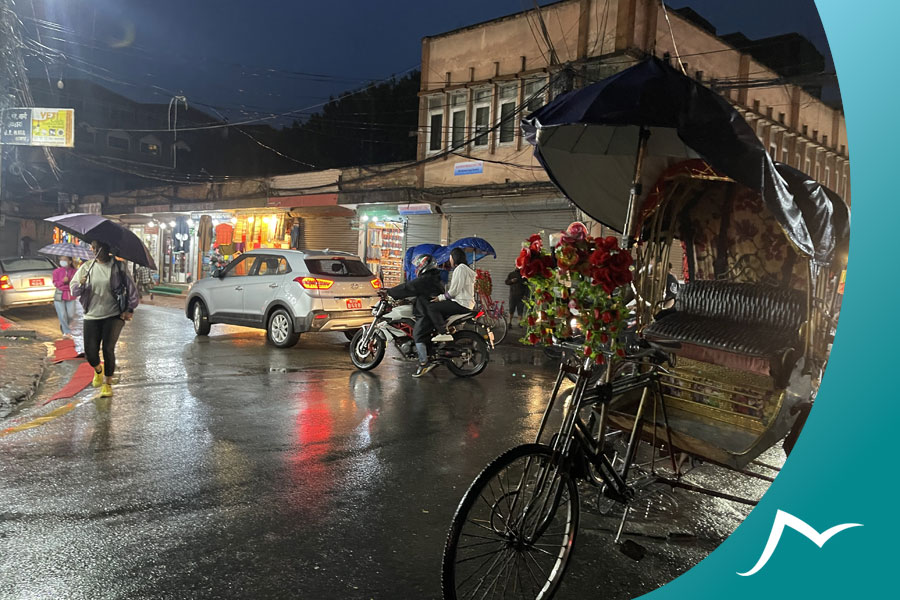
x=7, y=35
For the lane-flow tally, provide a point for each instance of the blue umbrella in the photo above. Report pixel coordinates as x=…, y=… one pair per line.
x=66, y=249
x=415, y=251
x=475, y=245
x=94, y=228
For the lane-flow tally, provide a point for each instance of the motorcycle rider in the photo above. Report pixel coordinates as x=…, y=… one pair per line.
x=458, y=299
x=423, y=288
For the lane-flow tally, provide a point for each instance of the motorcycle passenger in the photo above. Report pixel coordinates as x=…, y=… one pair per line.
x=423, y=288
x=459, y=298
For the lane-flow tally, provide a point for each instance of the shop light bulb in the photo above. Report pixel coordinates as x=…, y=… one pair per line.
x=190, y=222
x=234, y=220
x=162, y=225
x=251, y=219
x=171, y=223
x=364, y=218
x=374, y=219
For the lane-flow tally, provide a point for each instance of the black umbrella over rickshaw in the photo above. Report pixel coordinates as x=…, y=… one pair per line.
x=605, y=145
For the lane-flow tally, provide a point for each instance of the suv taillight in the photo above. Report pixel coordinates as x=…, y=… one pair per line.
x=376, y=283
x=314, y=283
x=5, y=283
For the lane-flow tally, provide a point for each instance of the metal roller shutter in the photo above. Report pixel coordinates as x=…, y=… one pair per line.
x=506, y=232
x=333, y=233
x=423, y=229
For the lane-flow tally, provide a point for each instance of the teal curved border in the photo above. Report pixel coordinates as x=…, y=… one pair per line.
x=842, y=469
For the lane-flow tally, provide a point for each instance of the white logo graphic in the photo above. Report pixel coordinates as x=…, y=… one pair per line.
x=782, y=520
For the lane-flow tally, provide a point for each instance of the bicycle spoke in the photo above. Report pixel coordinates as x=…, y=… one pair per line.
x=534, y=560
x=477, y=556
x=481, y=581
x=481, y=544
x=461, y=584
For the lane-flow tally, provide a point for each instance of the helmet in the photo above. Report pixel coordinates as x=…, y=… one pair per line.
x=423, y=262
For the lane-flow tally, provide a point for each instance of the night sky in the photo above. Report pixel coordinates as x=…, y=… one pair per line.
x=250, y=58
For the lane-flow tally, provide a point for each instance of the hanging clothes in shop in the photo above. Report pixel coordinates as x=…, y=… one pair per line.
x=295, y=235
x=182, y=235
x=240, y=235
x=224, y=234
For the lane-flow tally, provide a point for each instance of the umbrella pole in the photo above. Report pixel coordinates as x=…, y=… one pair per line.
x=629, y=238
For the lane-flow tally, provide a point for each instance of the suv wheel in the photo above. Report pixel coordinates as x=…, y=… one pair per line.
x=200, y=317
x=280, y=329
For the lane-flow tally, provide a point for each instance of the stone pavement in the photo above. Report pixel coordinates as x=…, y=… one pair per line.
x=22, y=364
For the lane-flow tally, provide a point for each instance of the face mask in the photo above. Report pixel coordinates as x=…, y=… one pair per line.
x=64, y=263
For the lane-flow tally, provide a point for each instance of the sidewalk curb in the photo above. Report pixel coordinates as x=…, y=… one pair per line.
x=16, y=393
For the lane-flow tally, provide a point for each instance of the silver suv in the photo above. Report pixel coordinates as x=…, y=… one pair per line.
x=286, y=292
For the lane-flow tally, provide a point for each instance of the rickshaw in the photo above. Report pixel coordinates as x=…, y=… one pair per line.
x=726, y=374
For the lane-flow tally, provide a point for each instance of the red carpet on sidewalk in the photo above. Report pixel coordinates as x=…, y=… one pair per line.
x=80, y=380
x=65, y=350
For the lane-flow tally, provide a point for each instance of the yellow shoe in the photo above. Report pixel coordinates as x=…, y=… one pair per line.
x=106, y=391
x=98, y=378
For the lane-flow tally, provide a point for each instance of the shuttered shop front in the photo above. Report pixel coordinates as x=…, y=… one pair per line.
x=506, y=231
x=333, y=233
x=423, y=229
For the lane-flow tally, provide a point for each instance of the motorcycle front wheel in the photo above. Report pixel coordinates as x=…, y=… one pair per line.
x=474, y=354
x=366, y=357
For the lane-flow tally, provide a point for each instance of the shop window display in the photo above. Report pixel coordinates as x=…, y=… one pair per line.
x=384, y=251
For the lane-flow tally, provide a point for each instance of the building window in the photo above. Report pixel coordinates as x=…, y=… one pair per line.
x=781, y=118
x=481, y=106
x=458, y=119
x=798, y=163
x=843, y=149
x=807, y=166
x=773, y=151
x=119, y=141
x=806, y=130
x=535, y=94
x=698, y=75
x=507, y=113
x=844, y=185
x=824, y=140
x=435, y=122
x=785, y=155
x=818, y=171
x=827, y=176
x=756, y=106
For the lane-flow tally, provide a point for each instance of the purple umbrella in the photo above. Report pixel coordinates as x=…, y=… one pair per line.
x=67, y=249
x=122, y=241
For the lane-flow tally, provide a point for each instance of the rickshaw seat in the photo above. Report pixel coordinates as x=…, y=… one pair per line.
x=744, y=326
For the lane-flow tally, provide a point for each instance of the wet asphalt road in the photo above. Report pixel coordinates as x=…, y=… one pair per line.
x=226, y=468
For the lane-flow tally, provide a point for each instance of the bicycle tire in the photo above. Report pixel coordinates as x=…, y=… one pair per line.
x=511, y=544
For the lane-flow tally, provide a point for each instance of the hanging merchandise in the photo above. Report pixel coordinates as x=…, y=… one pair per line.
x=182, y=235
x=384, y=251
x=224, y=234
x=295, y=234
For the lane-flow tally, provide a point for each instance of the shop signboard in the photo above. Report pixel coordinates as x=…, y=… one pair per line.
x=469, y=167
x=415, y=209
x=38, y=127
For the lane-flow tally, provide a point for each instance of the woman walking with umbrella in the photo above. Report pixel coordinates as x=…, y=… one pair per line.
x=63, y=300
x=109, y=298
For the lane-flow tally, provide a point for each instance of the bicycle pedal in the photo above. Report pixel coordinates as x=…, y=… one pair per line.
x=632, y=550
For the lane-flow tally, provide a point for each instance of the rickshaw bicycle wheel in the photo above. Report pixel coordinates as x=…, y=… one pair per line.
x=514, y=530
x=498, y=326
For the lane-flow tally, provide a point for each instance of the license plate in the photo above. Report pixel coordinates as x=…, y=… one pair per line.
x=353, y=303
x=36, y=282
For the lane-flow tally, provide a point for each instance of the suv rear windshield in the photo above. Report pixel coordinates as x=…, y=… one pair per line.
x=337, y=267
x=18, y=265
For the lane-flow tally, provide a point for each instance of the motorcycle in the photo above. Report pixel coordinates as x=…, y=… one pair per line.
x=465, y=356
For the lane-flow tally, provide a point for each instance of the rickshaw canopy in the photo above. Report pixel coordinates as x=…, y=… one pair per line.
x=587, y=140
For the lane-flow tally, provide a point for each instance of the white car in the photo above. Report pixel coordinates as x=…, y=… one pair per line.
x=286, y=292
